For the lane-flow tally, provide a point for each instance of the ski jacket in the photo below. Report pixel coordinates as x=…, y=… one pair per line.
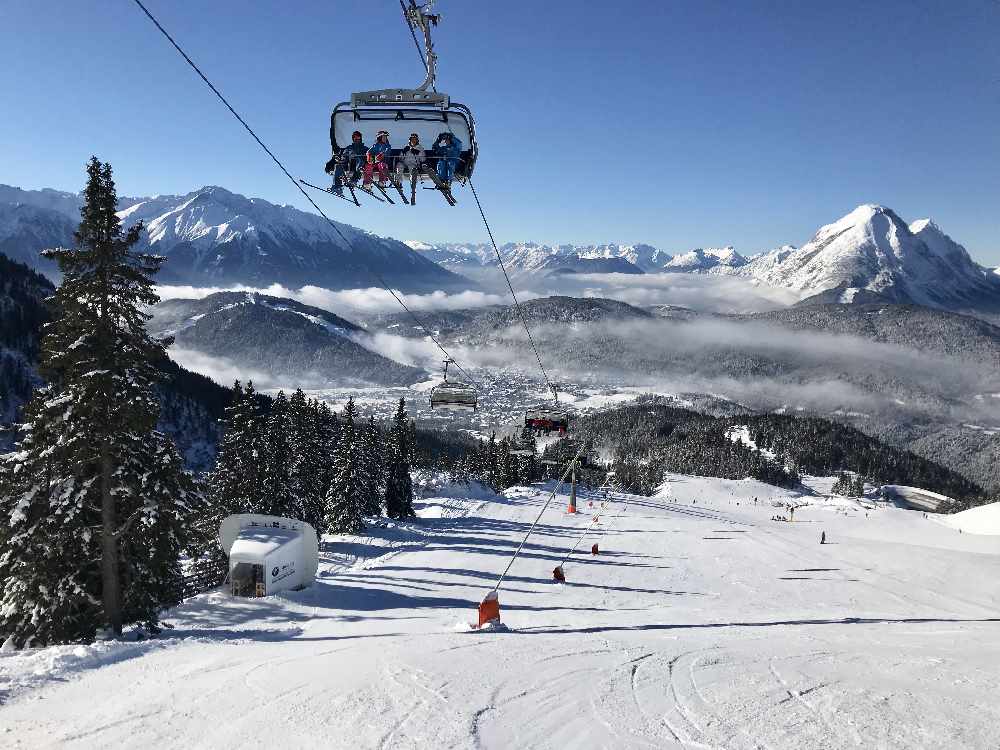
x=379, y=152
x=452, y=151
x=354, y=151
x=413, y=157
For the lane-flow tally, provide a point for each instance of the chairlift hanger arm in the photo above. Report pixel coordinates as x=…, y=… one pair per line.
x=421, y=17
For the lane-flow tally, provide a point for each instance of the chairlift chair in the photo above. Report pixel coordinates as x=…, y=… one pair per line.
x=451, y=395
x=547, y=419
x=423, y=110
x=523, y=445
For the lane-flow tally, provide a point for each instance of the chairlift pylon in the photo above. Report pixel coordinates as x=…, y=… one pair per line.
x=400, y=112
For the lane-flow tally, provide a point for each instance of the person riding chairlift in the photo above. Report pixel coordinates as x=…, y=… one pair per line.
x=413, y=158
x=350, y=160
x=447, y=148
x=377, y=159
x=414, y=162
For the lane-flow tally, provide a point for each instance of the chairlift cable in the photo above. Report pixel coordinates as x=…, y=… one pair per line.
x=510, y=286
x=489, y=231
x=413, y=33
x=298, y=187
x=531, y=528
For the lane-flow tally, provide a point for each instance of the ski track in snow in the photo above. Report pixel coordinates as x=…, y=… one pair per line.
x=701, y=624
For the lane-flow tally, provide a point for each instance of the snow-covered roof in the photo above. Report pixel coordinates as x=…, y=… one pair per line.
x=257, y=542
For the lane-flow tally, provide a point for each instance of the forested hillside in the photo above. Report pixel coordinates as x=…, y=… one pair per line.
x=648, y=438
x=191, y=404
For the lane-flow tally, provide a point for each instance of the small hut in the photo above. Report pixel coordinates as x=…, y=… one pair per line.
x=268, y=554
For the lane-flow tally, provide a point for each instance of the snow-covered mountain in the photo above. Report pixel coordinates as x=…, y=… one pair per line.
x=286, y=342
x=871, y=254
x=215, y=237
x=703, y=259
x=530, y=257
x=559, y=264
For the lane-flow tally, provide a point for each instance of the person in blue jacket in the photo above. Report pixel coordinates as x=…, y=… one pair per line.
x=378, y=159
x=447, y=148
x=350, y=159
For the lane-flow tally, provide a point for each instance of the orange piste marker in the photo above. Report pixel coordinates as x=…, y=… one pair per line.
x=489, y=609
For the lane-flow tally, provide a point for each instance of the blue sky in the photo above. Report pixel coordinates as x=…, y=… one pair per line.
x=679, y=124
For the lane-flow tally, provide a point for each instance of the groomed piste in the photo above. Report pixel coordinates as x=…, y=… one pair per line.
x=700, y=623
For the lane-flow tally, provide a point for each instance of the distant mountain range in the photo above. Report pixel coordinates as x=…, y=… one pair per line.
x=213, y=237
x=283, y=340
x=869, y=255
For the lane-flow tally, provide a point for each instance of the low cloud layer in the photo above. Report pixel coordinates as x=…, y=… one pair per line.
x=353, y=302
x=706, y=293
x=702, y=292
x=220, y=369
x=761, y=365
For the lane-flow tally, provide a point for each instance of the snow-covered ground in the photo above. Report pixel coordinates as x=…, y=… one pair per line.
x=701, y=624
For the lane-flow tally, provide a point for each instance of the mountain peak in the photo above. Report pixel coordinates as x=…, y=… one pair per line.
x=872, y=253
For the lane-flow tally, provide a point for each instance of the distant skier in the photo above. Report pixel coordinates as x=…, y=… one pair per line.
x=346, y=165
x=377, y=159
x=447, y=148
x=822, y=537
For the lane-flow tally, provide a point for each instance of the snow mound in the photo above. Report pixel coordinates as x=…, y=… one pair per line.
x=984, y=519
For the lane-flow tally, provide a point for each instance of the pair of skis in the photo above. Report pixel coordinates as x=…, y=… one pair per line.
x=385, y=196
x=354, y=196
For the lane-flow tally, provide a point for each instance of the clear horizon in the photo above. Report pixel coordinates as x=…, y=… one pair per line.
x=680, y=128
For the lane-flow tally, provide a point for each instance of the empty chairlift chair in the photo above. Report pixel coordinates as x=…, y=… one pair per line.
x=451, y=395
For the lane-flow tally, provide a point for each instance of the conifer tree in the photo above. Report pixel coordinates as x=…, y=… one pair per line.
x=277, y=497
x=307, y=486
x=327, y=439
x=226, y=481
x=96, y=498
x=491, y=464
x=345, y=500
x=373, y=467
x=399, y=485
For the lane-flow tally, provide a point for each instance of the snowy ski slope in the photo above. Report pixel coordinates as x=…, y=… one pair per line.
x=702, y=624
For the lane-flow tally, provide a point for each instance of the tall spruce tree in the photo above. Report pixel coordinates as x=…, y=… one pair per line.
x=399, y=485
x=306, y=479
x=345, y=500
x=327, y=432
x=97, y=499
x=372, y=467
x=277, y=497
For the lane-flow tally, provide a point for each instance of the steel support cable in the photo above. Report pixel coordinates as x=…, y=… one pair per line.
x=590, y=527
x=510, y=286
x=489, y=231
x=413, y=33
x=308, y=197
x=534, y=523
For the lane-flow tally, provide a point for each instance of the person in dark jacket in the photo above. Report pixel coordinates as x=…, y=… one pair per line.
x=447, y=148
x=349, y=160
